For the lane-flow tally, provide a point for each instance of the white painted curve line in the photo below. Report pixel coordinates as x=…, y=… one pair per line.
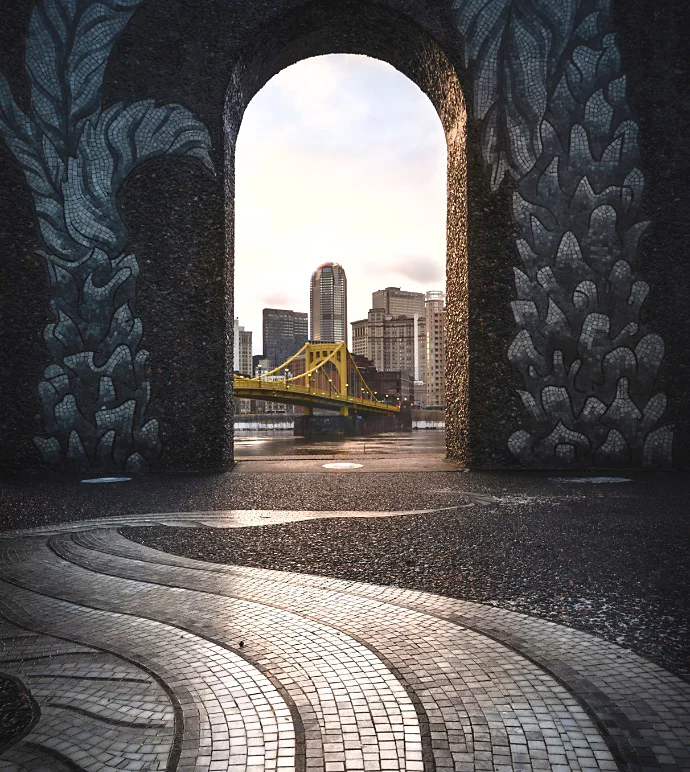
x=101, y=480
x=230, y=518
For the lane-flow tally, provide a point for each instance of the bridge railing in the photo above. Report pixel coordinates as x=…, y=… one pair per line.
x=318, y=369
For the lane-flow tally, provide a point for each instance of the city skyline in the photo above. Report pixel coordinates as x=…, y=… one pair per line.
x=340, y=159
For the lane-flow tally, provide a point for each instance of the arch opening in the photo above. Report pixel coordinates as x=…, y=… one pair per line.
x=340, y=158
x=369, y=30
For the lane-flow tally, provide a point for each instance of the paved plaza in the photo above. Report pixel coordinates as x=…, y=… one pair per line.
x=128, y=657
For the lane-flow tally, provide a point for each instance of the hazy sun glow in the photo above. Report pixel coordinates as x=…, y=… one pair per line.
x=339, y=158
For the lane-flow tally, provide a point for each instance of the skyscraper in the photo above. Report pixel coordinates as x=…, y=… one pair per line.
x=245, y=359
x=393, y=335
x=285, y=332
x=242, y=351
x=392, y=342
x=328, y=303
x=435, y=348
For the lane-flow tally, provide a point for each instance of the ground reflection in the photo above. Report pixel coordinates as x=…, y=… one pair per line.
x=282, y=443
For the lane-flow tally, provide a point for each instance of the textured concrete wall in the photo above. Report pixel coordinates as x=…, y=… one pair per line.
x=210, y=60
x=653, y=40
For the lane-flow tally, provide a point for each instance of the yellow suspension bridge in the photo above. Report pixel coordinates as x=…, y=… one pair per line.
x=319, y=375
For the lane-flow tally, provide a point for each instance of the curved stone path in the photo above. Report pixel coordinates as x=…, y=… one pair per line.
x=145, y=660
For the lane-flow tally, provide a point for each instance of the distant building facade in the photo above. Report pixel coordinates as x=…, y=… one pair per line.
x=245, y=352
x=397, y=302
x=242, y=361
x=328, y=303
x=242, y=349
x=392, y=342
x=404, y=332
x=284, y=334
x=393, y=335
x=435, y=312
x=260, y=366
x=391, y=386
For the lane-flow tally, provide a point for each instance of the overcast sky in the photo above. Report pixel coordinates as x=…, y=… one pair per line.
x=339, y=158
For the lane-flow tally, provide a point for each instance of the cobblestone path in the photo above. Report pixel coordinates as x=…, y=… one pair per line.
x=144, y=660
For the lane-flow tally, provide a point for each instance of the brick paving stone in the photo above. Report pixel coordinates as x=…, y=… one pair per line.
x=600, y=674
x=497, y=689
x=609, y=680
x=209, y=683
x=333, y=675
x=325, y=672
x=463, y=671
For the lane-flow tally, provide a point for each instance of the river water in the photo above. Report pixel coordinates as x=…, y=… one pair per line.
x=258, y=444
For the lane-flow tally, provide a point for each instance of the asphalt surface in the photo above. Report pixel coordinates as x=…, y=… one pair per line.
x=607, y=557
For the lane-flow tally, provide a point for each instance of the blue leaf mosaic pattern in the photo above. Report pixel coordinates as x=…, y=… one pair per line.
x=75, y=154
x=550, y=93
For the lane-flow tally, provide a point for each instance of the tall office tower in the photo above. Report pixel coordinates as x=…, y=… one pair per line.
x=245, y=351
x=236, y=344
x=392, y=342
x=241, y=355
x=285, y=332
x=393, y=334
x=243, y=364
x=435, y=348
x=397, y=302
x=328, y=303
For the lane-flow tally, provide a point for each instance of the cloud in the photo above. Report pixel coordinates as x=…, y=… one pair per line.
x=423, y=270
x=276, y=299
x=308, y=105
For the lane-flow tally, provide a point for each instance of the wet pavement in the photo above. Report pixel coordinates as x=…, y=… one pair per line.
x=282, y=445
x=397, y=614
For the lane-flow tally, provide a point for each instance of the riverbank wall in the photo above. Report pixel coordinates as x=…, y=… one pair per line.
x=260, y=422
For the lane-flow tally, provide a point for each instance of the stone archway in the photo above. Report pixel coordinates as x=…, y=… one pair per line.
x=365, y=28
x=550, y=150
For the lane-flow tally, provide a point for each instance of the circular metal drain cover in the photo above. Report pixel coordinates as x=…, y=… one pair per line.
x=106, y=479
x=342, y=465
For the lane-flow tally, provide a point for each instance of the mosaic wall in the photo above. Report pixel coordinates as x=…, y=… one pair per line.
x=551, y=98
x=549, y=90
x=75, y=154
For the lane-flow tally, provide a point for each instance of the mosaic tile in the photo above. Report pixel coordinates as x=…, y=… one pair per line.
x=341, y=675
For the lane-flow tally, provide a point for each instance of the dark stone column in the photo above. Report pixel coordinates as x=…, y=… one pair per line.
x=653, y=41
x=211, y=59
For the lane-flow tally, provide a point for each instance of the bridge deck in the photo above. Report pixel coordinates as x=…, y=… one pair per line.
x=294, y=394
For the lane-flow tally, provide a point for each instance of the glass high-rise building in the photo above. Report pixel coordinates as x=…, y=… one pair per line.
x=328, y=303
x=285, y=332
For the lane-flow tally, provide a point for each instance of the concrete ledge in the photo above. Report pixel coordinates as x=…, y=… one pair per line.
x=427, y=463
